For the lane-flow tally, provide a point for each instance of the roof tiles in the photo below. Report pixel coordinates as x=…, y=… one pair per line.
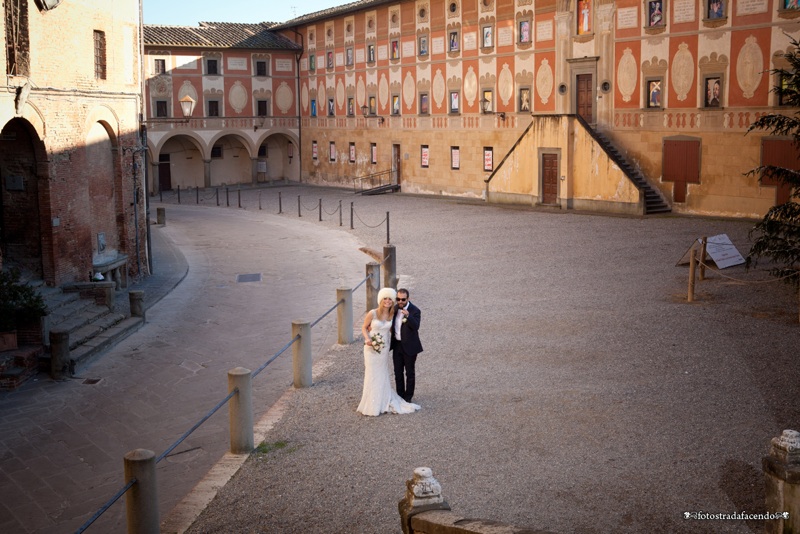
x=218, y=35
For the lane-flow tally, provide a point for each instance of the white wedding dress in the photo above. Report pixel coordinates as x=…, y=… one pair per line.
x=379, y=396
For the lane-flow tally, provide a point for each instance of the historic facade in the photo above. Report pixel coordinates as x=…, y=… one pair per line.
x=70, y=170
x=525, y=100
x=241, y=82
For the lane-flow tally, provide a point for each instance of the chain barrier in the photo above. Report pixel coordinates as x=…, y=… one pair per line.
x=745, y=282
x=367, y=225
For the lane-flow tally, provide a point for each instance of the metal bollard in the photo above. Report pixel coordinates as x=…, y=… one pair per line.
x=141, y=501
x=388, y=240
x=301, y=354
x=161, y=216
x=344, y=315
x=340, y=213
x=179, y=194
x=240, y=410
x=280, y=203
x=702, y=275
x=59, y=354
x=374, y=273
x=239, y=192
x=136, y=300
x=692, y=266
x=320, y=209
x=227, y=198
x=389, y=266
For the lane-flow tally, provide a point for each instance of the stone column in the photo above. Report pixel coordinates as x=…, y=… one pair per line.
x=344, y=315
x=302, y=361
x=240, y=410
x=141, y=501
x=423, y=493
x=206, y=173
x=389, y=266
x=782, y=477
x=136, y=300
x=373, y=284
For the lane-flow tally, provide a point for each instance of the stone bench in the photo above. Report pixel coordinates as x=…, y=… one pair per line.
x=116, y=268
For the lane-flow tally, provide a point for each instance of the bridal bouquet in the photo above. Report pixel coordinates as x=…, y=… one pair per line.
x=377, y=342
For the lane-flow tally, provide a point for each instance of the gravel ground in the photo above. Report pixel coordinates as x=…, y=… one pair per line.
x=566, y=384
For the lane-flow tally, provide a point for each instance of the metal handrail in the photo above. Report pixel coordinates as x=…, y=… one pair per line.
x=361, y=179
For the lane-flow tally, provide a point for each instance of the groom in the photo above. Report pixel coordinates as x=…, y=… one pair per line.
x=405, y=344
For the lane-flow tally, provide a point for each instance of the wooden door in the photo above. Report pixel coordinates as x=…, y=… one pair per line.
x=164, y=173
x=549, y=178
x=583, y=97
x=396, y=164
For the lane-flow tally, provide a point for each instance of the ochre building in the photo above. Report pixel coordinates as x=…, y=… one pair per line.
x=627, y=106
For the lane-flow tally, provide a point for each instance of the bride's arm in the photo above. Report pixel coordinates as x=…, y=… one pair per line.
x=365, y=328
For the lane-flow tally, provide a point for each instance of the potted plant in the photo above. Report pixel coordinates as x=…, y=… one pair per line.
x=20, y=305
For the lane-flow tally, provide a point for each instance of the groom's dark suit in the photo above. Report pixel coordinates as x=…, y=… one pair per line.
x=405, y=350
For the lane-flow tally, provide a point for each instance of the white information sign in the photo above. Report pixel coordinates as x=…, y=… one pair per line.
x=544, y=30
x=683, y=11
x=627, y=17
x=723, y=252
x=408, y=49
x=283, y=65
x=437, y=45
x=237, y=63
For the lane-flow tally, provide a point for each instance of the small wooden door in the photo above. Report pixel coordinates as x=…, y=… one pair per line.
x=549, y=178
x=164, y=173
x=583, y=97
x=396, y=164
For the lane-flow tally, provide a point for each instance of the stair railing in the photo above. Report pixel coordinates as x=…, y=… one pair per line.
x=358, y=183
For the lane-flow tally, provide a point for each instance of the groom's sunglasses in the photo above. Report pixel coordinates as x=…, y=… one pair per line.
x=401, y=300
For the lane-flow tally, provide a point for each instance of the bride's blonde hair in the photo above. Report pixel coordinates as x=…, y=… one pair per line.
x=387, y=292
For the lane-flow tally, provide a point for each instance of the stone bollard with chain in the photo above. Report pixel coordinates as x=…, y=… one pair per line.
x=782, y=477
x=423, y=493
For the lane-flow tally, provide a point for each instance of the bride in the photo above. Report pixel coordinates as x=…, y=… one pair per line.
x=378, y=396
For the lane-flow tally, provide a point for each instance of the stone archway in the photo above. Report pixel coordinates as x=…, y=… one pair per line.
x=20, y=221
x=278, y=159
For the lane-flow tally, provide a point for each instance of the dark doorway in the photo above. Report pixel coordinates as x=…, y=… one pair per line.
x=681, y=165
x=780, y=153
x=164, y=173
x=584, y=96
x=549, y=178
x=396, y=164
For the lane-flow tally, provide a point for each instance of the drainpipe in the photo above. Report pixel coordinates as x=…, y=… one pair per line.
x=299, y=119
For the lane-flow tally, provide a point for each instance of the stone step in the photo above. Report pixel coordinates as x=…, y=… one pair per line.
x=91, y=349
x=93, y=328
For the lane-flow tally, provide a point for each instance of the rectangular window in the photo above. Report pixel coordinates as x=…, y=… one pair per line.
x=488, y=159
x=487, y=102
x=395, y=104
x=159, y=66
x=330, y=60
x=488, y=37
x=716, y=9
x=261, y=68
x=351, y=106
x=212, y=67
x=161, y=108
x=455, y=42
x=313, y=108
x=455, y=158
x=373, y=106
x=524, y=98
x=262, y=108
x=424, y=105
x=332, y=151
x=783, y=87
x=331, y=108
x=352, y=152
x=524, y=31
x=655, y=13
x=713, y=87
x=314, y=150
x=584, y=17
x=262, y=151
x=373, y=150
x=213, y=108
x=422, y=45
x=348, y=57
x=454, y=101
x=395, y=49
x=312, y=62
x=99, y=55
x=424, y=156
x=216, y=152
x=371, y=53
x=654, y=93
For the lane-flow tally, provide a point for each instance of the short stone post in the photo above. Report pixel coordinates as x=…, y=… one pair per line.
x=344, y=315
x=240, y=410
x=423, y=493
x=373, y=284
x=782, y=478
x=136, y=298
x=389, y=266
x=141, y=501
x=59, y=354
x=301, y=354
x=161, y=216
x=702, y=275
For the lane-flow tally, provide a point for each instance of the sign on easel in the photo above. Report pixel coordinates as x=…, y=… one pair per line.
x=719, y=247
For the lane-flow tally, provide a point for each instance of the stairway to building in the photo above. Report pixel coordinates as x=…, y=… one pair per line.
x=93, y=328
x=653, y=201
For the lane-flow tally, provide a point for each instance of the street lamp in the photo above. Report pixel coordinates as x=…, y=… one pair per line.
x=486, y=109
x=187, y=106
x=365, y=112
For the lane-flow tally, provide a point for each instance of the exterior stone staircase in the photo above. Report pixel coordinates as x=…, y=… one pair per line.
x=653, y=200
x=93, y=328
